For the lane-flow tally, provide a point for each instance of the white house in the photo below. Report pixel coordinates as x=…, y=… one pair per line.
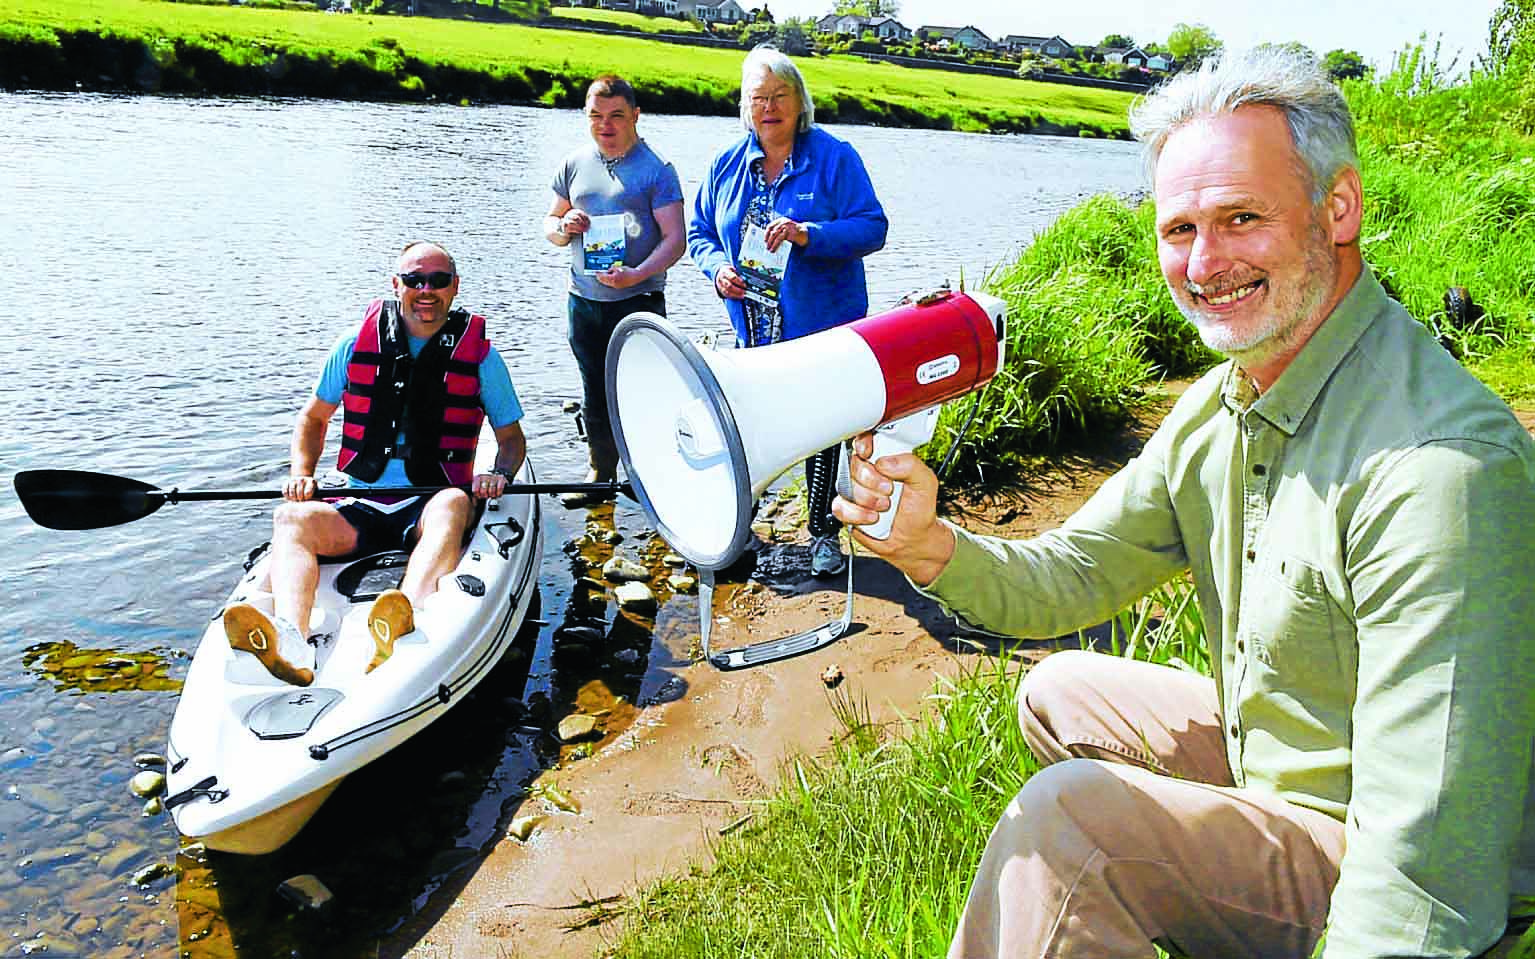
x=713, y=11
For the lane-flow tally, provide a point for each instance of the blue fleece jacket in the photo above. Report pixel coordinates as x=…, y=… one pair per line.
x=827, y=189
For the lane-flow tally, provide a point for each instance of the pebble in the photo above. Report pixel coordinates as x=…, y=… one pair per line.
x=149, y=761
x=559, y=800
x=577, y=726
x=672, y=559
x=682, y=584
x=307, y=891
x=147, y=784
x=611, y=537
x=113, y=862
x=622, y=569
x=831, y=676
x=153, y=807
x=49, y=945
x=581, y=634
x=635, y=596
x=42, y=797
x=522, y=827
x=570, y=406
x=150, y=873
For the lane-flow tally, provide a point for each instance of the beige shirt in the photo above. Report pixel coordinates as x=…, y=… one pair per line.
x=1362, y=538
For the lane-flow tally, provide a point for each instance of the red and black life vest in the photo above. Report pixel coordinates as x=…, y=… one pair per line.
x=433, y=399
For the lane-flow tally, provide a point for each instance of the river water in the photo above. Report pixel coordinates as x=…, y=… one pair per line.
x=179, y=268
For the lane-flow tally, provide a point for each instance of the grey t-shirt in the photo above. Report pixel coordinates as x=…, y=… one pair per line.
x=637, y=185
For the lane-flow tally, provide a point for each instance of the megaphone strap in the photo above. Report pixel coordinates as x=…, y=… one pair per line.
x=770, y=650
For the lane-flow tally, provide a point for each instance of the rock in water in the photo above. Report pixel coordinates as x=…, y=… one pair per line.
x=682, y=584
x=149, y=761
x=147, y=784
x=622, y=569
x=150, y=873
x=306, y=891
x=636, y=597
x=577, y=726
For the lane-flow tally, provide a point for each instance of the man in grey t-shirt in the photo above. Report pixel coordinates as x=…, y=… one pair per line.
x=621, y=204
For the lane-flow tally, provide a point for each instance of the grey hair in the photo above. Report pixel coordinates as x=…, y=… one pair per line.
x=767, y=57
x=1321, y=128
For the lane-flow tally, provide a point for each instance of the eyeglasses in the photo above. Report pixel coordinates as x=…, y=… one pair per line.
x=779, y=100
x=437, y=280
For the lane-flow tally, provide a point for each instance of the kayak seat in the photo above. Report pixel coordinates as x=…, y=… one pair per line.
x=363, y=579
x=290, y=713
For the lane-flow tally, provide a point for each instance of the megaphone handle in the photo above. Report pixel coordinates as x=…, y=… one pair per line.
x=886, y=444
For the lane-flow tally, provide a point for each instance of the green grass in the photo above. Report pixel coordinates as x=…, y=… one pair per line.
x=410, y=55
x=626, y=20
x=869, y=851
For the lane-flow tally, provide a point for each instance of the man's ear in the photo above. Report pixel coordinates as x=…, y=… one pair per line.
x=1344, y=207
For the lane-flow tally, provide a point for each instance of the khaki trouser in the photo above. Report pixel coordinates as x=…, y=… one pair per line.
x=1134, y=834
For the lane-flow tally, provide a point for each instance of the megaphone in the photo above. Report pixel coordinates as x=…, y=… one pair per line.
x=703, y=432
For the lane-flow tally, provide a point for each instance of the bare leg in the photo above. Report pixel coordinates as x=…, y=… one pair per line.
x=439, y=544
x=301, y=534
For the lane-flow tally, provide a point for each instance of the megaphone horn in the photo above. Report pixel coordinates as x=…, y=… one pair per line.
x=703, y=432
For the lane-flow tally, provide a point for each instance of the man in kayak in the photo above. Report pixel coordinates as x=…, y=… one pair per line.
x=618, y=206
x=1357, y=513
x=416, y=379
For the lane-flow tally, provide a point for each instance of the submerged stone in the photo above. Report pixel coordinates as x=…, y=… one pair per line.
x=306, y=891
x=149, y=761
x=150, y=873
x=147, y=784
x=682, y=584
x=622, y=569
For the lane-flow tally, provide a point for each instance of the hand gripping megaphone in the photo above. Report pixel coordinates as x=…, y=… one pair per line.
x=703, y=432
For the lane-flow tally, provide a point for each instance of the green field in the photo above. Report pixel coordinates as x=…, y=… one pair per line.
x=415, y=58
x=627, y=21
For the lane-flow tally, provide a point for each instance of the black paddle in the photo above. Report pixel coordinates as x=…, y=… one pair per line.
x=75, y=499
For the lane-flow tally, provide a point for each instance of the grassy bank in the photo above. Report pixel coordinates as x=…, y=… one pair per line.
x=156, y=46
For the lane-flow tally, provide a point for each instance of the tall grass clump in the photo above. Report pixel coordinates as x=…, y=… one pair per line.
x=1449, y=178
x=1089, y=322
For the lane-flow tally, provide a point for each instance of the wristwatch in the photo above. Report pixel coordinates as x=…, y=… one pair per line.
x=500, y=471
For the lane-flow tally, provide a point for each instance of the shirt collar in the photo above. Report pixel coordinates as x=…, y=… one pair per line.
x=1290, y=399
x=796, y=154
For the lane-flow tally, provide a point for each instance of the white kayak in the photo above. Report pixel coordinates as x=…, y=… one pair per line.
x=251, y=758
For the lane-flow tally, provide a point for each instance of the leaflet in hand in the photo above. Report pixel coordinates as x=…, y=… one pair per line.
x=761, y=271
x=602, y=244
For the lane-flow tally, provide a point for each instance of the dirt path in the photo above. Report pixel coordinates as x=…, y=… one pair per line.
x=653, y=800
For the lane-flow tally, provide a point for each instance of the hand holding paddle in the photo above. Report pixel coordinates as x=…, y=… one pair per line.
x=76, y=499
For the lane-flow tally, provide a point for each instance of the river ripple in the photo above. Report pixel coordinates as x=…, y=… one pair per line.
x=179, y=267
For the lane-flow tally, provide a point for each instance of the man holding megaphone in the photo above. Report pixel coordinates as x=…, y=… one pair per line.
x=1357, y=514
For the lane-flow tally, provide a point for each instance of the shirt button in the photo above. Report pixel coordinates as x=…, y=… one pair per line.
x=1259, y=469
x=1233, y=730
x=1251, y=555
x=1241, y=646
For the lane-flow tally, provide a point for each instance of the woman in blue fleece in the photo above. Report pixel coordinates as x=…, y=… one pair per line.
x=781, y=224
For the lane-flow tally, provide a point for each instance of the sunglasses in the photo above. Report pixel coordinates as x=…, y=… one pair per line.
x=437, y=280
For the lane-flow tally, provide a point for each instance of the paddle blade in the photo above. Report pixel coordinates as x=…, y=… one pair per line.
x=74, y=499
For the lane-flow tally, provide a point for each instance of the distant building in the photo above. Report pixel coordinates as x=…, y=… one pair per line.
x=1054, y=47
x=889, y=28
x=967, y=36
x=714, y=11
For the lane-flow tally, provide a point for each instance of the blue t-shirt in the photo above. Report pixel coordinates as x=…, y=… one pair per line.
x=497, y=395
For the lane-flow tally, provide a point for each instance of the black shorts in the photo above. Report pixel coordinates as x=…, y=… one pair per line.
x=380, y=530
